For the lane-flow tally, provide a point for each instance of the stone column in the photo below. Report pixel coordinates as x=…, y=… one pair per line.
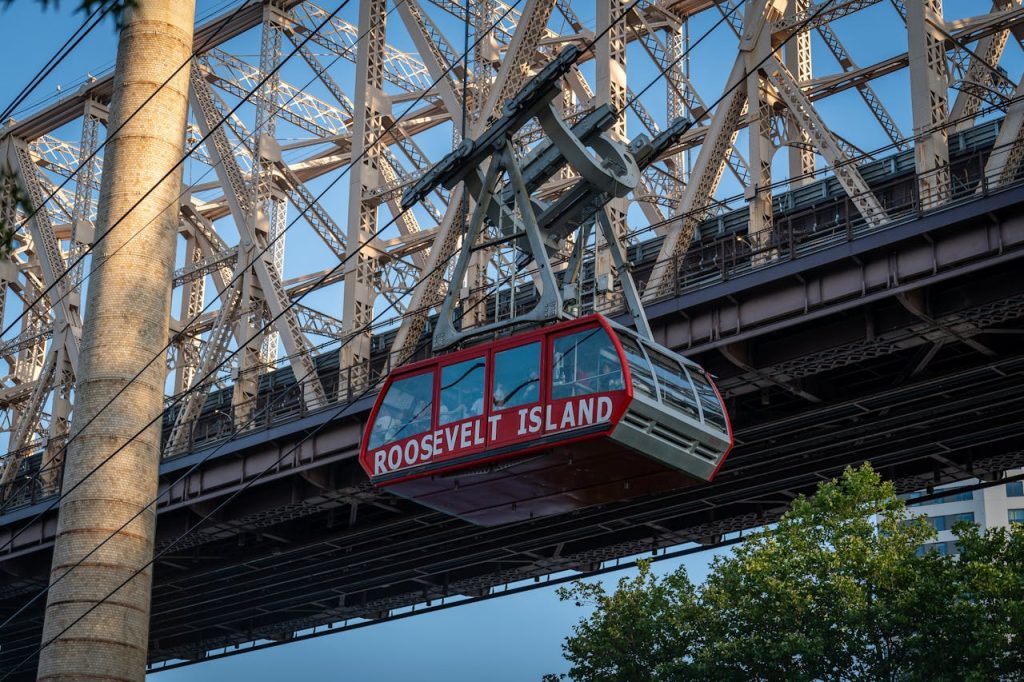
x=125, y=328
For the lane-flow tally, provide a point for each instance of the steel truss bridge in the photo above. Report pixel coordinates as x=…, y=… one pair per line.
x=856, y=304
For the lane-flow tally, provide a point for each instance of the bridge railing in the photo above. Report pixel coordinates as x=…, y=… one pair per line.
x=832, y=221
x=279, y=401
x=34, y=481
x=708, y=261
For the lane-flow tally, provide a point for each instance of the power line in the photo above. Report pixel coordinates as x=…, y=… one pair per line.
x=62, y=53
x=343, y=408
x=85, y=163
x=336, y=415
x=200, y=384
x=197, y=384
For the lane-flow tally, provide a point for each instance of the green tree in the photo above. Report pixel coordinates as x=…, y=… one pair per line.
x=836, y=590
x=643, y=632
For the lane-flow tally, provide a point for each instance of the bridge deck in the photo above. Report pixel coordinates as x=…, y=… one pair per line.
x=901, y=347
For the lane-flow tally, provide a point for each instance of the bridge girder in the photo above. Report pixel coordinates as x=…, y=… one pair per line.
x=277, y=157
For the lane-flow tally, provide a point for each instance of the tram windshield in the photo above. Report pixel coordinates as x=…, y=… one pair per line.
x=709, y=400
x=585, y=362
x=405, y=410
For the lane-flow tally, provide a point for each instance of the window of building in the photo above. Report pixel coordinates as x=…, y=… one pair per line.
x=405, y=410
x=948, y=548
x=1015, y=489
x=462, y=390
x=947, y=521
x=585, y=362
x=516, y=377
x=1015, y=515
x=964, y=496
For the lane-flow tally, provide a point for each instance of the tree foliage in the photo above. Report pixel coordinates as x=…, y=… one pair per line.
x=836, y=591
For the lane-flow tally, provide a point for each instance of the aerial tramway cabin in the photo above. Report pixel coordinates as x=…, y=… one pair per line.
x=568, y=416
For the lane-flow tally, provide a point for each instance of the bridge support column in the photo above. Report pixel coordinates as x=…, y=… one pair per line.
x=89, y=635
x=929, y=83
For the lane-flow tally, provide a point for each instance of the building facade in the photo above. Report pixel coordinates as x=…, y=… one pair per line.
x=993, y=507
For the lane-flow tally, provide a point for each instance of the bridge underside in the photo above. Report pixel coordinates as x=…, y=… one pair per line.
x=902, y=348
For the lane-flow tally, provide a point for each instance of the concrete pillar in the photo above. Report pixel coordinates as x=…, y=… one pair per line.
x=125, y=327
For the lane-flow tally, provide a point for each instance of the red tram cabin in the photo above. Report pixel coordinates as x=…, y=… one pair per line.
x=576, y=414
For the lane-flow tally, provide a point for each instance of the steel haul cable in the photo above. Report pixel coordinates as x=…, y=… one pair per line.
x=509, y=9
x=62, y=53
x=201, y=383
x=70, y=267
x=345, y=407
x=335, y=416
x=239, y=274
x=325, y=276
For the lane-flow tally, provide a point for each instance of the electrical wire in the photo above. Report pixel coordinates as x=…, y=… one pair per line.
x=85, y=163
x=186, y=534
x=336, y=415
x=96, y=16
x=201, y=383
x=340, y=411
x=102, y=69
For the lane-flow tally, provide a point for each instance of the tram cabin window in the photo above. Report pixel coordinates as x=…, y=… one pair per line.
x=585, y=362
x=708, y=399
x=639, y=368
x=676, y=390
x=516, y=377
x=462, y=390
x=405, y=411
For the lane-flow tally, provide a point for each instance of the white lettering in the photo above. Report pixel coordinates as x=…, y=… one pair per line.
x=466, y=435
x=548, y=424
x=394, y=456
x=604, y=408
x=478, y=439
x=495, y=418
x=412, y=452
x=586, y=412
x=522, y=420
x=378, y=462
x=535, y=419
x=438, y=442
x=451, y=435
x=568, y=417
x=428, y=447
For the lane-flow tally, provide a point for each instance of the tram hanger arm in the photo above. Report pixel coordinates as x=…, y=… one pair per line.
x=468, y=156
x=578, y=205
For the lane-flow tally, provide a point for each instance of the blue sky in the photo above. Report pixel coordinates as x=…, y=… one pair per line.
x=502, y=640
x=513, y=638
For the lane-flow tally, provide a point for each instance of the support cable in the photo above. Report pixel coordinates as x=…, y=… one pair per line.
x=62, y=53
x=84, y=163
x=200, y=383
x=337, y=414
x=342, y=409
